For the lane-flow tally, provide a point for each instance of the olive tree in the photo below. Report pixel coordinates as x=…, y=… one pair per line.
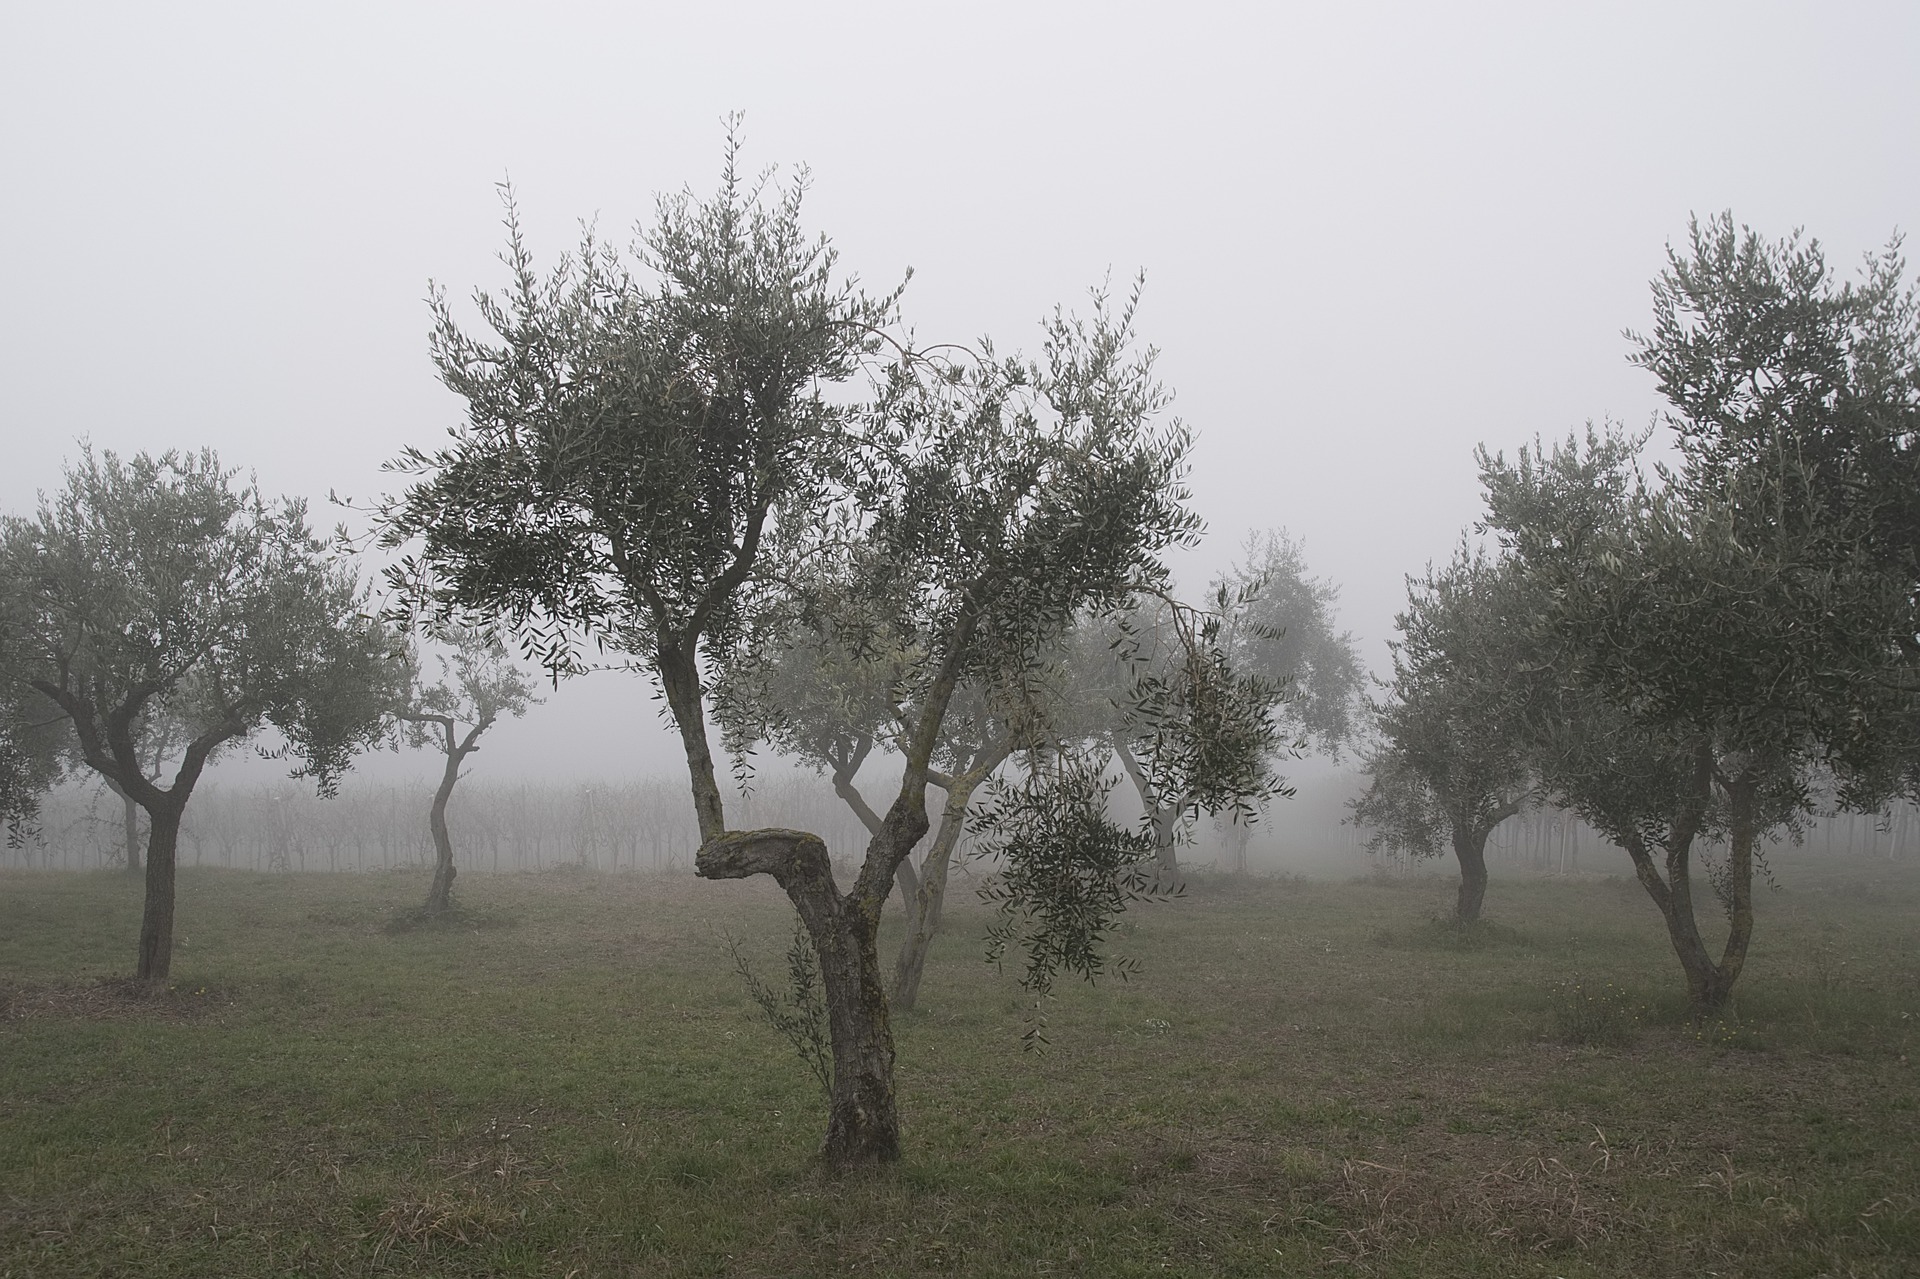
x=1795, y=407
x=1282, y=626
x=479, y=682
x=651, y=453
x=1738, y=621
x=1169, y=690
x=156, y=588
x=1449, y=759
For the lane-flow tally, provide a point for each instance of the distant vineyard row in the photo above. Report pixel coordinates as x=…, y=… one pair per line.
x=647, y=825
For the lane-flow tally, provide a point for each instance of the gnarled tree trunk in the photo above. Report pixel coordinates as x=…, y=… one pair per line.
x=863, y=1119
x=1470, y=850
x=1469, y=836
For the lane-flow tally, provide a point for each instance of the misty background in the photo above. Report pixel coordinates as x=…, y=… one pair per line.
x=1373, y=235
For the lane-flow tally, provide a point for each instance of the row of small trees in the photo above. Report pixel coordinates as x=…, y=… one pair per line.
x=1685, y=652
x=718, y=462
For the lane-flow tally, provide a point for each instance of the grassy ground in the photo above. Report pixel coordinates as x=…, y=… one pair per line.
x=1308, y=1078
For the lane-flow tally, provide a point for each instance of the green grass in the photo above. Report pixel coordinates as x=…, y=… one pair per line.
x=1308, y=1078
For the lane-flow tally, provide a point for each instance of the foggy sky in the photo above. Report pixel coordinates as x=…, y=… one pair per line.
x=1374, y=236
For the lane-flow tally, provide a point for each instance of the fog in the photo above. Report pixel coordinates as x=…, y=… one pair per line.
x=1373, y=236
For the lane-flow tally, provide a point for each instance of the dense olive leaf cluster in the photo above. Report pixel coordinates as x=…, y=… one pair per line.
x=1796, y=407
x=35, y=748
x=1068, y=869
x=154, y=590
x=1780, y=373
x=635, y=424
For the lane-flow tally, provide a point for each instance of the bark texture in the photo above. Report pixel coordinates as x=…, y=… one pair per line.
x=1470, y=850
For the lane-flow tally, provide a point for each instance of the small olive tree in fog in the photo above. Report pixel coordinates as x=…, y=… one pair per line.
x=1731, y=625
x=1282, y=628
x=479, y=682
x=1450, y=760
x=651, y=458
x=156, y=589
x=1168, y=689
x=1681, y=712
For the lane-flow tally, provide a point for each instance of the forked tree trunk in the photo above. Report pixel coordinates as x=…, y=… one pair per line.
x=156, y=919
x=863, y=1119
x=456, y=749
x=1707, y=987
x=929, y=899
x=1709, y=984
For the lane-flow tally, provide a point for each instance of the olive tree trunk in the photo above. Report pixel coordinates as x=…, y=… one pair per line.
x=929, y=899
x=440, y=893
x=156, y=918
x=1469, y=836
x=1709, y=982
x=456, y=748
x=1470, y=850
x=863, y=1119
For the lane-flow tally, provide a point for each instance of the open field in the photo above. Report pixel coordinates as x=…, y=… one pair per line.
x=1308, y=1078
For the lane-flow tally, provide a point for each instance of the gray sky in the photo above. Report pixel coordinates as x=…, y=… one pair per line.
x=1374, y=235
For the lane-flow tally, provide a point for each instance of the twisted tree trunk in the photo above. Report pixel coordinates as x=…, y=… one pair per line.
x=440, y=893
x=863, y=1119
x=1469, y=836
x=1709, y=983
